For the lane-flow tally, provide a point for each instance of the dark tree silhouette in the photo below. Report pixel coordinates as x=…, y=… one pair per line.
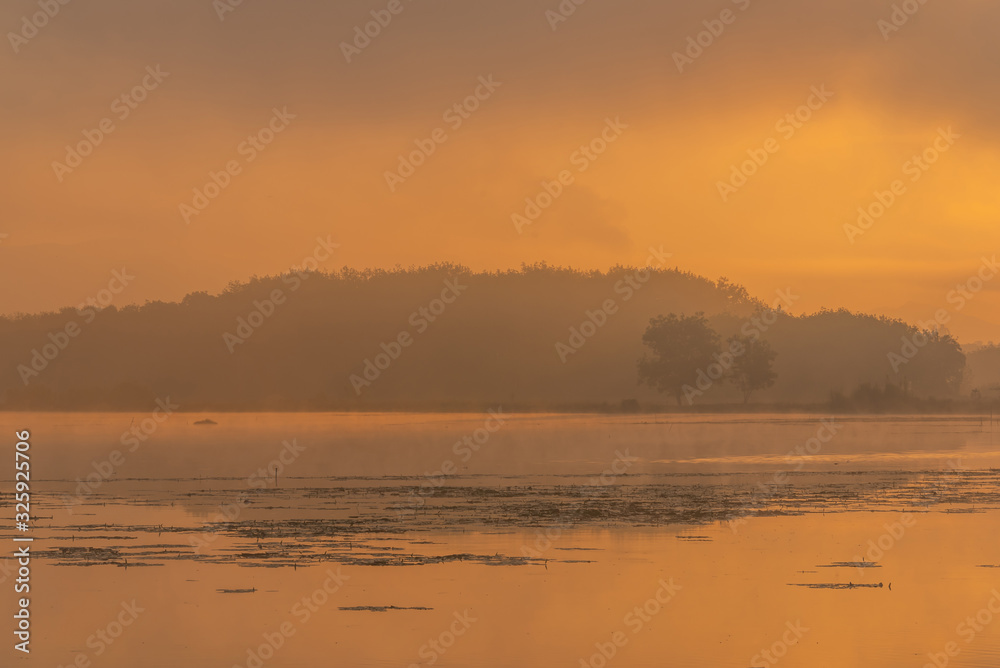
x=681, y=346
x=938, y=359
x=752, y=367
x=496, y=345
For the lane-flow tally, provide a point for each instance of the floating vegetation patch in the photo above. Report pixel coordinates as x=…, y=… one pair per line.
x=849, y=585
x=383, y=608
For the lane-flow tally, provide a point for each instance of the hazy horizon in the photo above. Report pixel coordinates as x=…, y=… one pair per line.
x=500, y=333
x=969, y=330
x=872, y=98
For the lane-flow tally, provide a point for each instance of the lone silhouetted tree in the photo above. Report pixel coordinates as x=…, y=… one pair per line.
x=752, y=367
x=681, y=346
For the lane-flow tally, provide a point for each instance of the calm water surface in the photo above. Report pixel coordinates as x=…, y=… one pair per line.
x=398, y=539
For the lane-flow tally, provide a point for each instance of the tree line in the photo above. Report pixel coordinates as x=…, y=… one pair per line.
x=697, y=341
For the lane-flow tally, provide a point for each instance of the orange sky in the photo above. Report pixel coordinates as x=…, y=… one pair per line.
x=656, y=183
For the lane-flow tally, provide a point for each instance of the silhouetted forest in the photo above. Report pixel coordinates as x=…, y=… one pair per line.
x=442, y=337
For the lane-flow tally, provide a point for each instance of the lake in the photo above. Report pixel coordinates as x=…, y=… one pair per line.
x=497, y=540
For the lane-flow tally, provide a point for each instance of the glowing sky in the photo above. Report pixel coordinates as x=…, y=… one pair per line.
x=553, y=85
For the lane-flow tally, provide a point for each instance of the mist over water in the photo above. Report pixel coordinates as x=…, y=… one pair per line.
x=497, y=539
x=372, y=445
